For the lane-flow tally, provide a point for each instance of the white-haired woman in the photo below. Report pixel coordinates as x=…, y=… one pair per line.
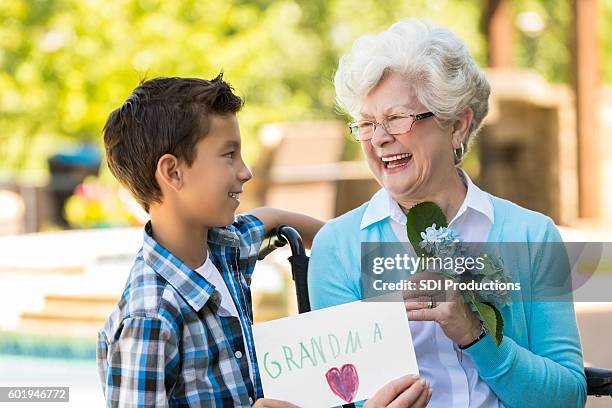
x=418, y=98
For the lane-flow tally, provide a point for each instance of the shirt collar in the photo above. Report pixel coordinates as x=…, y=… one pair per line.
x=475, y=199
x=196, y=290
x=223, y=237
x=383, y=206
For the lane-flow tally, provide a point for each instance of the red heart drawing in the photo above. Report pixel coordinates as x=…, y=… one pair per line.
x=344, y=382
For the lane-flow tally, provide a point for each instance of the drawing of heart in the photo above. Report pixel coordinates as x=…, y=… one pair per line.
x=344, y=382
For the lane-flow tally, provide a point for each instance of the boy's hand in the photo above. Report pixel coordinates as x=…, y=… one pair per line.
x=272, y=403
x=405, y=392
x=273, y=217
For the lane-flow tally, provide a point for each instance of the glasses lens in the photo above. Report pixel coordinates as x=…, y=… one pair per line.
x=399, y=124
x=362, y=130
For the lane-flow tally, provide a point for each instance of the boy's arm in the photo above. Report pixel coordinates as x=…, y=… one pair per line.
x=273, y=217
x=143, y=362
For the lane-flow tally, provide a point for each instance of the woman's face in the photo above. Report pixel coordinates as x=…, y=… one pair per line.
x=427, y=152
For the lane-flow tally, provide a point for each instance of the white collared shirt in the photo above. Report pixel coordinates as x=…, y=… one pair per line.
x=451, y=373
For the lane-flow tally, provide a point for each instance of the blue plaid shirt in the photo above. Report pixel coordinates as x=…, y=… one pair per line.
x=165, y=344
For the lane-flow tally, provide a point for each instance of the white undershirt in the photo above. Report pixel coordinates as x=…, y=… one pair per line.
x=227, y=307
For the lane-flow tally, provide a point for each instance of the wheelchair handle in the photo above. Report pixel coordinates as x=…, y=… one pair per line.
x=278, y=238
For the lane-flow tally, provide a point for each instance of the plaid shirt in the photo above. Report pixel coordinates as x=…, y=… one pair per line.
x=166, y=344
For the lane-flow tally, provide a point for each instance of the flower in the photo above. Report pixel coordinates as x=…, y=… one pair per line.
x=500, y=297
x=493, y=271
x=442, y=243
x=445, y=243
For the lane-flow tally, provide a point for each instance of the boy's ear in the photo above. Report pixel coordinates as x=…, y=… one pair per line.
x=169, y=172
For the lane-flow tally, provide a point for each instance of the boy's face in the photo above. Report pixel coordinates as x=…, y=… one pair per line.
x=212, y=184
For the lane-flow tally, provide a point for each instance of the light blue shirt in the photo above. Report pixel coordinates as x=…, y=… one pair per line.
x=539, y=362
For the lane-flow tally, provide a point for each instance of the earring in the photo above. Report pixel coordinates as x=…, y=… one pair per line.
x=457, y=157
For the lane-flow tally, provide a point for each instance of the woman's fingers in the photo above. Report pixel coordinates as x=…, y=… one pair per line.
x=427, y=285
x=390, y=391
x=414, y=395
x=273, y=403
x=416, y=305
x=422, y=294
x=423, y=399
x=422, y=314
x=418, y=292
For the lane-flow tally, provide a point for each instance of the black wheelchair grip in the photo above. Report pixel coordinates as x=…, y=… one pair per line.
x=299, y=270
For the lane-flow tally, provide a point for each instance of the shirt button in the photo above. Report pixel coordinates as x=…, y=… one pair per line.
x=250, y=400
x=238, y=354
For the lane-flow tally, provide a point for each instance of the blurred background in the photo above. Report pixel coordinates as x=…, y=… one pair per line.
x=68, y=232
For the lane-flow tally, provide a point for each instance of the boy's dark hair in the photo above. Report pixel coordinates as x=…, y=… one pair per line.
x=162, y=115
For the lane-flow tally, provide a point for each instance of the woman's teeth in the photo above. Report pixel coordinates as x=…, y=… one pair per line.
x=235, y=196
x=397, y=160
x=396, y=157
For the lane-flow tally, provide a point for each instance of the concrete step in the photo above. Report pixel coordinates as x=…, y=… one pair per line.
x=41, y=323
x=84, y=315
x=79, y=306
x=71, y=315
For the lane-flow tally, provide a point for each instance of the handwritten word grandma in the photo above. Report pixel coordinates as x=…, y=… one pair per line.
x=317, y=350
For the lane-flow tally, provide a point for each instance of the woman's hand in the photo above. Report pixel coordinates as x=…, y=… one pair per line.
x=452, y=313
x=405, y=392
x=272, y=403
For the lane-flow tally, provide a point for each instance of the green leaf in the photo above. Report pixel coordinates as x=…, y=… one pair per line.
x=420, y=217
x=472, y=297
x=499, y=328
x=492, y=319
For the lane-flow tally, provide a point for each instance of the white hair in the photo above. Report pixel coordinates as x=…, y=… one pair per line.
x=441, y=71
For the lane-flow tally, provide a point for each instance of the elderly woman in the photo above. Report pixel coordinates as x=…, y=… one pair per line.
x=417, y=99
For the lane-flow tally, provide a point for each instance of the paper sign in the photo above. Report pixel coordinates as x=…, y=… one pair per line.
x=333, y=356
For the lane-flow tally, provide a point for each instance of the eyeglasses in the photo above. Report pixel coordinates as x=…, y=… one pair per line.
x=393, y=125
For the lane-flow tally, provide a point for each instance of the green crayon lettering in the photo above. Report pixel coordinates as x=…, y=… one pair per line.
x=304, y=354
x=289, y=357
x=377, y=332
x=353, y=344
x=317, y=347
x=274, y=363
x=335, y=351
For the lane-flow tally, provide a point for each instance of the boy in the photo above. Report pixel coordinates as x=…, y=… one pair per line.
x=181, y=332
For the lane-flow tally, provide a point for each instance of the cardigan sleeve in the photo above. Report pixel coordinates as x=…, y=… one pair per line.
x=550, y=372
x=329, y=280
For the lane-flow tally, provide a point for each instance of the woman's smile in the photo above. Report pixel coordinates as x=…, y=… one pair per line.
x=395, y=163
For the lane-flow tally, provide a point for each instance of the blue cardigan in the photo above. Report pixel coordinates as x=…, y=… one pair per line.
x=539, y=362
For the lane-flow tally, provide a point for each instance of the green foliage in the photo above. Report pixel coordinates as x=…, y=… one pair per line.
x=549, y=52
x=420, y=217
x=65, y=64
x=490, y=316
x=605, y=38
x=427, y=214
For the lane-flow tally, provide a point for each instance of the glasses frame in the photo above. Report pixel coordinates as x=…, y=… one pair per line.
x=385, y=124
